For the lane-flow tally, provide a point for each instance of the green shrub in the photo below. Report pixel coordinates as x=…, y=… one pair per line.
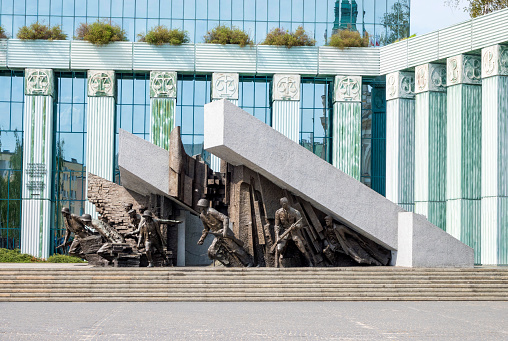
x=2, y=33
x=346, y=38
x=100, y=32
x=159, y=35
x=280, y=37
x=227, y=35
x=41, y=31
x=401, y=39
x=15, y=256
x=64, y=259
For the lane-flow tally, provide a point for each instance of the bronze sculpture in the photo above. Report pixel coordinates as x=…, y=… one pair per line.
x=225, y=248
x=73, y=224
x=288, y=227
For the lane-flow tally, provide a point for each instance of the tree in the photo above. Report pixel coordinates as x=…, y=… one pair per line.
x=396, y=22
x=475, y=8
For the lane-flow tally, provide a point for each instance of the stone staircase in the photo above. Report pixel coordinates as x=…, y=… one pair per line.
x=87, y=284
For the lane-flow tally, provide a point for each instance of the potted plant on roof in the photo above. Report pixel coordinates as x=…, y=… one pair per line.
x=39, y=46
x=228, y=49
x=163, y=48
x=291, y=51
x=101, y=44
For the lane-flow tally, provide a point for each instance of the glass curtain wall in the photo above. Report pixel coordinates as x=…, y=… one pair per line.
x=11, y=156
x=384, y=20
x=69, y=166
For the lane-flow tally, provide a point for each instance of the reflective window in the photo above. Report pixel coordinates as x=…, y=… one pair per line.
x=69, y=165
x=11, y=155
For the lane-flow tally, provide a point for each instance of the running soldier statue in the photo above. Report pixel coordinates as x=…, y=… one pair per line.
x=225, y=248
x=73, y=224
x=288, y=223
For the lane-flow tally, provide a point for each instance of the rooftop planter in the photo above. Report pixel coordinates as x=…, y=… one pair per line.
x=355, y=61
x=225, y=58
x=161, y=35
x=113, y=56
x=164, y=57
x=3, y=53
x=276, y=59
x=42, y=54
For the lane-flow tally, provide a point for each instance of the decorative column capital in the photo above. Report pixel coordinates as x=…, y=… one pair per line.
x=463, y=69
x=225, y=85
x=430, y=77
x=495, y=61
x=163, y=84
x=347, y=89
x=400, y=84
x=101, y=83
x=286, y=87
x=39, y=82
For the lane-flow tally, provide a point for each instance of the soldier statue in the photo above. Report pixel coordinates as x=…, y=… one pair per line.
x=150, y=234
x=288, y=224
x=331, y=244
x=73, y=224
x=225, y=246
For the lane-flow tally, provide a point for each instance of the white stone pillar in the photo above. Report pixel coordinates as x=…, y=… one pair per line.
x=286, y=105
x=494, y=182
x=162, y=106
x=400, y=142
x=347, y=125
x=100, y=124
x=430, y=143
x=224, y=86
x=37, y=162
x=463, y=152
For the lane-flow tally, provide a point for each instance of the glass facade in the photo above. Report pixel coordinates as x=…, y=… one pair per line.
x=384, y=20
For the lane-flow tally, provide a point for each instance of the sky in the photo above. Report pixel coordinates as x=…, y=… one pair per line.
x=432, y=15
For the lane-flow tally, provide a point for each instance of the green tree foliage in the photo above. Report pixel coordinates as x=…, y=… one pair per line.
x=280, y=37
x=2, y=33
x=475, y=8
x=100, y=32
x=10, y=188
x=396, y=22
x=227, y=35
x=41, y=31
x=160, y=35
x=346, y=38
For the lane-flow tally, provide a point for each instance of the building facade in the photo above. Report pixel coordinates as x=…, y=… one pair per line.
x=409, y=119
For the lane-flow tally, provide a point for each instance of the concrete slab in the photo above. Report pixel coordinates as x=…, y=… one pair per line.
x=241, y=139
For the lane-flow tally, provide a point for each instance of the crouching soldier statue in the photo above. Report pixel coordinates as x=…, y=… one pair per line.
x=74, y=224
x=225, y=248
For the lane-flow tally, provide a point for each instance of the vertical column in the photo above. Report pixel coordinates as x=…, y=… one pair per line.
x=400, y=143
x=286, y=105
x=100, y=123
x=37, y=162
x=378, y=160
x=463, y=161
x=347, y=125
x=430, y=143
x=494, y=183
x=224, y=86
x=162, y=106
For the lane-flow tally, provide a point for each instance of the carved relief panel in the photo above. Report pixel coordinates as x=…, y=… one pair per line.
x=348, y=88
x=224, y=85
x=430, y=77
x=495, y=61
x=400, y=84
x=39, y=82
x=163, y=84
x=101, y=83
x=286, y=87
x=463, y=69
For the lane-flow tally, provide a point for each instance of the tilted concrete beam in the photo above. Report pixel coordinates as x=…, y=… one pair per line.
x=241, y=139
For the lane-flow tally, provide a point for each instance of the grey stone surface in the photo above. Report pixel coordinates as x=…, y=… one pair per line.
x=195, y=254
x=422, y=244
x=239, y=138
x=144, y=167
x=255, y=321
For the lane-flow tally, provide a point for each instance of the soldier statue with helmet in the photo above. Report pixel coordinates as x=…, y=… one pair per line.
x=73, y=224
x=225, y=248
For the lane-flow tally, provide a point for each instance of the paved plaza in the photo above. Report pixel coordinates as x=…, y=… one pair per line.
x=255, y=321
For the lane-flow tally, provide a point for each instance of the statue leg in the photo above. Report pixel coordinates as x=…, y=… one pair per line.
x=299, y=244
x=148, y=250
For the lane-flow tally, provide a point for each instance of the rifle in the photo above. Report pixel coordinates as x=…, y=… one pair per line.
x=282, y=236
